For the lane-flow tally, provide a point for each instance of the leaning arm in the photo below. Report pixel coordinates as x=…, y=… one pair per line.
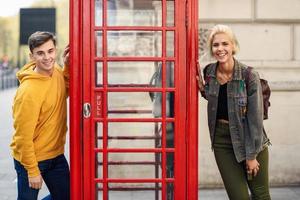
x=66, y=73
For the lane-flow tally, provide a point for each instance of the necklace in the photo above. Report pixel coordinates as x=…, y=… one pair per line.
x=223, y=77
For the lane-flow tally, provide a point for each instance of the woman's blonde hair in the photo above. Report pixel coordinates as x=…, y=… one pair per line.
x=220, y=28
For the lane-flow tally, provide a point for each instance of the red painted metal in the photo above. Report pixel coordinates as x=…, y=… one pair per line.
x=180, y=100
x=87, y=98
x=83, y=132
x=192, y=94
x=75, y=100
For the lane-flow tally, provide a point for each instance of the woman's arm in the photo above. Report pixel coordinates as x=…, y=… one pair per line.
x=254, y=132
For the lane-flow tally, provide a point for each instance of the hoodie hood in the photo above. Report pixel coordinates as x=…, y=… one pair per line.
x=26, y=73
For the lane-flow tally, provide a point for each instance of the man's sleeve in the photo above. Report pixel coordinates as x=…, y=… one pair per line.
x=26, y=114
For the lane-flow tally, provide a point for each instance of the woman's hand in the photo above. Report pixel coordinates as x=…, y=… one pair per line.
x=252, y=167
x=200, y=79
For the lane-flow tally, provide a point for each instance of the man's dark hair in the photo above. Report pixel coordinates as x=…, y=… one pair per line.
x=40, y=37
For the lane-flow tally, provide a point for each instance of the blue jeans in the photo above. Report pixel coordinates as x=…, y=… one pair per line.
x=56, y=175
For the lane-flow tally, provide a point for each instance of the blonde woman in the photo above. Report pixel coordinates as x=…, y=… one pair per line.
x=235, y=119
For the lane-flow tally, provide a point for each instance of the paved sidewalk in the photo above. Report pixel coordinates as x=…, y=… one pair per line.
x=8, y=175
x=277, y=193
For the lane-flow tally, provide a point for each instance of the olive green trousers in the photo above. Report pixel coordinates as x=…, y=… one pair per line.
x=234, y=174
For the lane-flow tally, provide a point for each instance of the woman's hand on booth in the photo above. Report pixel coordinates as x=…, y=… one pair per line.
x=199, y=78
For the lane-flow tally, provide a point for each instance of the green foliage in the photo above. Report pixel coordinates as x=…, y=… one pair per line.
x=9, y=31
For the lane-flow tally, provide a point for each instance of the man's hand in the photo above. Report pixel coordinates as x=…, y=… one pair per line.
x=66, y=55
x=35, y=182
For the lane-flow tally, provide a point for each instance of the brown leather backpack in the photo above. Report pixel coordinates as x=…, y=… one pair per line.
x=266, y=91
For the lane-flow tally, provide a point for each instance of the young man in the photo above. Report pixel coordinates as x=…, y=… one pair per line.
x=39, y=113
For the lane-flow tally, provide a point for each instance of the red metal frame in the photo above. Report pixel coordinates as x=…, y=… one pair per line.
x=76, y=177
x=192, y=93
x=82, y=131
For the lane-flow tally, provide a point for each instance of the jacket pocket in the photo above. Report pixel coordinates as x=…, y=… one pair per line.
x=241, y=102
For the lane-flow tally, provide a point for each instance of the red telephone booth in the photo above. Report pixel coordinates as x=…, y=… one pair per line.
x=133, y=99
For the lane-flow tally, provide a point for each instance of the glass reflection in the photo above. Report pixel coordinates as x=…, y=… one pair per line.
x=99, y=191
x=98, y=12
x=170, y=73
x=170, y=191
x=170, y=104
x=131, y=74
x=99, y=165
x=170, y=13
x=99, y=135
x=130, y=105
x=98, y=43
x=135, y=191
x=99, y=74
x=134, y=43
x=134, y=13
x=170, y=44
x=170, y=135
x=133, y=134
x=133, y=165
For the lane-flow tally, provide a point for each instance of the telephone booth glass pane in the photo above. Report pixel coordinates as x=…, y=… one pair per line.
x=135, y=191
x=99, y=191
x=170, y=13
x=170, y=104
x=170, y=134
x=170, y=43
x=133, y=134
x=99, y=135
x=131, y=105
x=170, y=74
x=170, y=191
x=99, y=165
x=132, y=74
x=98, y=12
x=133, y=165
x=134, y=43
x=99, y=74
x=134, y=13
x=170, y=164
x=98, y=43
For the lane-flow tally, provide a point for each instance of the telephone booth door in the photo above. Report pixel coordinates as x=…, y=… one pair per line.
x=133, y=100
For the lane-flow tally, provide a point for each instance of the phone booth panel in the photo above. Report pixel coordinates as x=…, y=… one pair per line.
x=131, y=136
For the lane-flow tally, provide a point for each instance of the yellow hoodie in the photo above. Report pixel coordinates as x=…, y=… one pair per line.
x=39, y=113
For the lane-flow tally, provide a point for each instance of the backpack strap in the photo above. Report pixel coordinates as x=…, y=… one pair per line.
x=155, y=81
x=266, y=91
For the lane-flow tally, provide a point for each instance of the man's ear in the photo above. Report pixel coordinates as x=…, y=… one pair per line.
x=31, y=56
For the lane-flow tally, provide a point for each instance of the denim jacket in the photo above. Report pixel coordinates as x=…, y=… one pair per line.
x=245, y=110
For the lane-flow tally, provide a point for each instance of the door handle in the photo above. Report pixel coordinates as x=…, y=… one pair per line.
x=86, y=110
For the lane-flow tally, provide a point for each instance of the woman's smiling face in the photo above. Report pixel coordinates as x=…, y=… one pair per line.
x=222, y=47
